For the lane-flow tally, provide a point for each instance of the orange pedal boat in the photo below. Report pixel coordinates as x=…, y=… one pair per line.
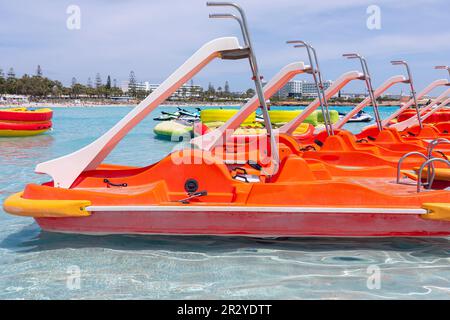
x=191, y=192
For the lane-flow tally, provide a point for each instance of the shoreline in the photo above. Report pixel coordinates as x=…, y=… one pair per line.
x=391, y=103
x=109, y=105
x=173, y=105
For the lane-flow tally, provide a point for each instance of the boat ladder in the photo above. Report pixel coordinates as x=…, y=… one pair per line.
x=428, y=163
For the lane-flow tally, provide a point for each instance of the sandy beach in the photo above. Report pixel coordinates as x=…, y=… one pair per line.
x=110, y=104
x=91, y=104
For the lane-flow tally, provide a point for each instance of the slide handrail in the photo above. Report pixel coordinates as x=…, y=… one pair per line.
x=274, y=153
x=317, y=77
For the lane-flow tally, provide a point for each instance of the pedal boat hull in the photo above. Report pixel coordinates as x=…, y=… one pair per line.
x=299, y=202
x=251, y=221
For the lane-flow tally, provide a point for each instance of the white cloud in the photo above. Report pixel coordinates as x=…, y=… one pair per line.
x=154, y=37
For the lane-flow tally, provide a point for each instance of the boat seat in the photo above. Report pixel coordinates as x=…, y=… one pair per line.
x=443, y=127
x=293, y=169
x=289, y=142
x=371, y=131
x=350, y=140
x=427, y=131
x=396, y=134
x=320, y=171
x=284, y=151
x=387, y=136
x=342, y=142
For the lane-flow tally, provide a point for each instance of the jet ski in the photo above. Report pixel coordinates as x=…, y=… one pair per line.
x=181, y=114
x=361, y=116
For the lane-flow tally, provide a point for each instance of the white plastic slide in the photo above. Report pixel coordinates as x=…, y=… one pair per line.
x=378, y=92
x=66, y=169
x=420, y=95
x=341, y=82
x=437, y=103
x=211, y=139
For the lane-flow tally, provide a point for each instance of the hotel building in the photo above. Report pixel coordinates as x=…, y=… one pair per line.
x=185, y=91
x=301, y=89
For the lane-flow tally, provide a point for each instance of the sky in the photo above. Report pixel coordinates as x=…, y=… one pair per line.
x=154, y=37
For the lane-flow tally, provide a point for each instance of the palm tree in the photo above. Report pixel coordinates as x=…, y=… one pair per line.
x=227, y=88
x=132, y=84
x=39, y=71
x=11, y=73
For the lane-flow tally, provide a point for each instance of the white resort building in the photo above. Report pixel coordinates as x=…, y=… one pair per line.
x=185, y=91
x=301, y=89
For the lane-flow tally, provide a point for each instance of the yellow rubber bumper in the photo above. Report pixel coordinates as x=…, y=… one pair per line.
x=437, y=211
x=16, y=205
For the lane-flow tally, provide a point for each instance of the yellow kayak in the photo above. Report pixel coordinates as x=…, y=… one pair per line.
x=223, y=115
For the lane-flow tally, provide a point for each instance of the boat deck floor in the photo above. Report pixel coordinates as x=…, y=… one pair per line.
x=383, y=184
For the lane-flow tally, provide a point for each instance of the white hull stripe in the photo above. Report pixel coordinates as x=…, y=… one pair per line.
x=258, y=209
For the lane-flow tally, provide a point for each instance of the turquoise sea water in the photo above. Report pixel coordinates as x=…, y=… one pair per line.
x=40, y=265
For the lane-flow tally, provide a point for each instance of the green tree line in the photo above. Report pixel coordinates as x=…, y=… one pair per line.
x=38, y=86
x=34, y=86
